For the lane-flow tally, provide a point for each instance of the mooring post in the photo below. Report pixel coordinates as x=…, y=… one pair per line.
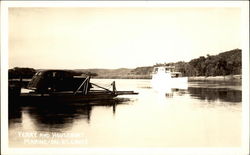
x=114, y=88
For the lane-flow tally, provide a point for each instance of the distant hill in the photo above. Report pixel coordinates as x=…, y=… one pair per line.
x=108, y=73
x=121, y=73
x=225, y=63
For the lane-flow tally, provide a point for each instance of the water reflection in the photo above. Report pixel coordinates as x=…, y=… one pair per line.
x=213, y=94
x=209, y=91
x=139, y=121
x=56, y=117
x=175, y=92
x=15, y=114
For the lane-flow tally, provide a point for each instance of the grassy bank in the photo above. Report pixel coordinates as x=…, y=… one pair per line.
x=123, y=77
x=235, y=78
x=216, y=78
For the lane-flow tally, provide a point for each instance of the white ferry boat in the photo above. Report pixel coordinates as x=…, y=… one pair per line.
x=164, y=77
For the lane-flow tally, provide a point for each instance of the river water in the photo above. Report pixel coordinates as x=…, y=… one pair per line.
x=201, y=115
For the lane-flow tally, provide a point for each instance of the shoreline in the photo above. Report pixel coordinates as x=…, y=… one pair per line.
x=235, y=78
x=192, y=78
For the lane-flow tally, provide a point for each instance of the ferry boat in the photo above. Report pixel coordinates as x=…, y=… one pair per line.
x=165, y=77
x=62, y=86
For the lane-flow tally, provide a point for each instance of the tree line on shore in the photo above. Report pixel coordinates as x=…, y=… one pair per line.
x=19, y=72
x=225, y=63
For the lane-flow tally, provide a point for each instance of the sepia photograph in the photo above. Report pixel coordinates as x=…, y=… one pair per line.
x=125, y=77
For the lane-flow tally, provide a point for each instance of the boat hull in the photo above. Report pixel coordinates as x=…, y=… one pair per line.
x=167, y=83
x=26, y=98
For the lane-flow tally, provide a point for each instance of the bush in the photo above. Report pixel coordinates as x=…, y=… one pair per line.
x=21, y=73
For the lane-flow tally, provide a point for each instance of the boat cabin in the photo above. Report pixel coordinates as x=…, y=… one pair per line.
x=167, y=70
x=47, y=81
x=164, y=69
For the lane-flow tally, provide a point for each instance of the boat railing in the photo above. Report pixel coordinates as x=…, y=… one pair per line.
x=84, y=85
x=110, y=91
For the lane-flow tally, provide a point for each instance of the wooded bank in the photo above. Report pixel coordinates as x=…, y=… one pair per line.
x=223, y=66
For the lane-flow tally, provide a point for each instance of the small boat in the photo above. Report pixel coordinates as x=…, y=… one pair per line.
x=165, y=77
x=63, y=86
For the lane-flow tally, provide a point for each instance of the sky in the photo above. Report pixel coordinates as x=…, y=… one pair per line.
x=125, y=37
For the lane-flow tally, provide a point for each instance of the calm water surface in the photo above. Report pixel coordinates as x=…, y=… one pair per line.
x=203, y=115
